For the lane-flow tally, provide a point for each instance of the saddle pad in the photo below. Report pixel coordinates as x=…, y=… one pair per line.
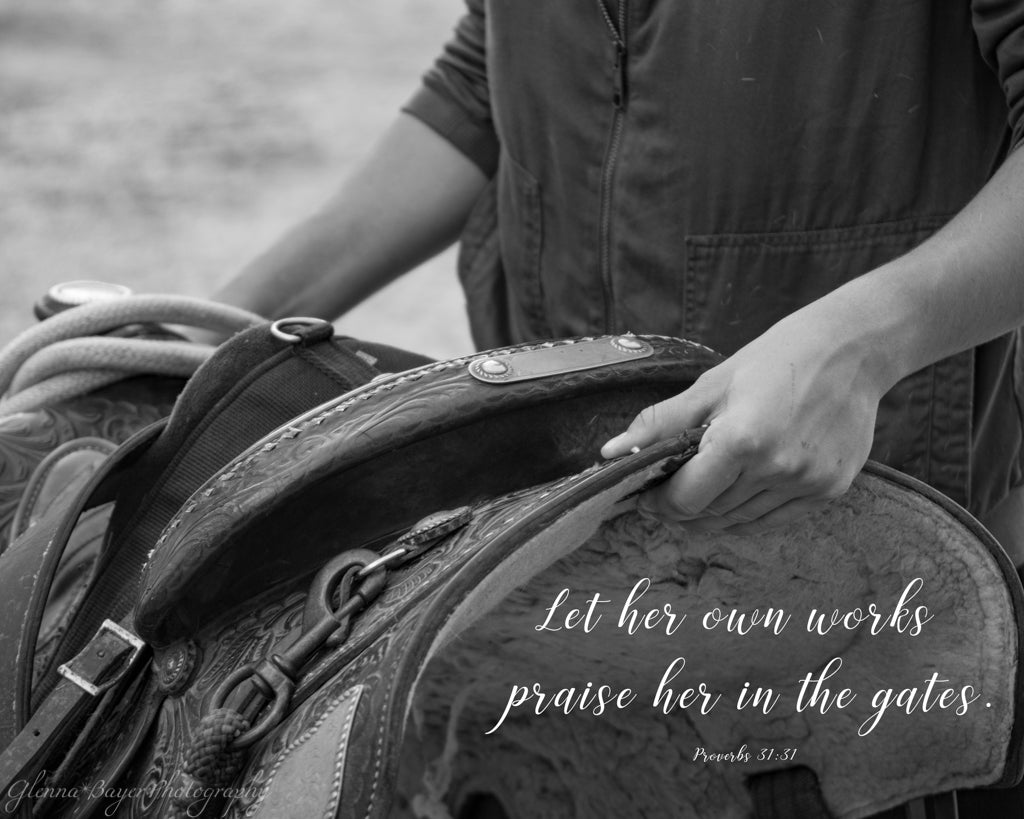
x=888, y=540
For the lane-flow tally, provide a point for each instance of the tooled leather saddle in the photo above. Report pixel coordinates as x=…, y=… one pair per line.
x=342, y=581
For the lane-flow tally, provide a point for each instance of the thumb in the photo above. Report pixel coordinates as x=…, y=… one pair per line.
x=659, y=421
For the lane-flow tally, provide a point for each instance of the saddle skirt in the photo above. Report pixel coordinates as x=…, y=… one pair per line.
x=431, y=588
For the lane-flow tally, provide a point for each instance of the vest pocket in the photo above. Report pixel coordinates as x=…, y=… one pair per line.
x=736, y=286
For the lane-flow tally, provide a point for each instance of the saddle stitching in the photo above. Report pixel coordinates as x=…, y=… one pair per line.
x=36, y=483
x=355, y=694
x=28, y=646
x=339, y=767
x=378, y=756
x=38, y=480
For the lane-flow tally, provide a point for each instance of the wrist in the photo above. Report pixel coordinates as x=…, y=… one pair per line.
x=870, y=328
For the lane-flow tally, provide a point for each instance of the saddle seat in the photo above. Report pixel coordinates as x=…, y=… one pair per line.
x=866, y=550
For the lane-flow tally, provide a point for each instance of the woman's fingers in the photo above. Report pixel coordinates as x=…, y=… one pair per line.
x=783, y=515
x=789, y=420
x=671, y=417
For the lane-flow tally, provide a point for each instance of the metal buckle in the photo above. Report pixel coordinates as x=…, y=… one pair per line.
x=123, y=634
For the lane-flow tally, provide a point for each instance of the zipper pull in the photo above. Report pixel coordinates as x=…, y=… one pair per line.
x=619, y=77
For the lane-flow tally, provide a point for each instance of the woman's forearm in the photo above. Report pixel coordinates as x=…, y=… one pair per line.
x=791, y=415
x=961, y=288
x=406, y=202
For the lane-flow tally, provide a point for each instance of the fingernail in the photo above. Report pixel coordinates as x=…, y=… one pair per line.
x=612, y=446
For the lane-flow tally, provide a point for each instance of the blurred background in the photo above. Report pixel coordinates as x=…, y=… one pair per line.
x=162, y=144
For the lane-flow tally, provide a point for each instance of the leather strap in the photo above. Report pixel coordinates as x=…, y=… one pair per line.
x=27, y=570
x=143, y=707
x=54, y=474
x=106, y=661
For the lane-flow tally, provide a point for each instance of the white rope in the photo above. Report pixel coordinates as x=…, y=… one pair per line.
x=126, y=355
x=109, y=314
x=59, y=388
x=65, y=356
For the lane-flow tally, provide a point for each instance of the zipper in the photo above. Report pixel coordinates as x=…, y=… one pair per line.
x=619, y=96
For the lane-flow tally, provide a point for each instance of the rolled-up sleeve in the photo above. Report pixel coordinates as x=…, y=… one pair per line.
x=999, y=25
x=454, y=98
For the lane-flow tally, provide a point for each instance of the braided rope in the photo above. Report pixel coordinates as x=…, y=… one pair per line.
x=211, y=763
x=211, y=759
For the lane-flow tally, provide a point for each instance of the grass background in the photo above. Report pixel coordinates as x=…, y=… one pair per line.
x=162, y=144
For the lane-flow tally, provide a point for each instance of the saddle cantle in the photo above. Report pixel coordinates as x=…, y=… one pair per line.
x=403, y=704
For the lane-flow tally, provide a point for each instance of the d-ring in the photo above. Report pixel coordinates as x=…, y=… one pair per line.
x=277, y=331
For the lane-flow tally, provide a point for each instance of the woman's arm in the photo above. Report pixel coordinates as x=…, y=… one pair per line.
x=406, y=202
x=791, y=415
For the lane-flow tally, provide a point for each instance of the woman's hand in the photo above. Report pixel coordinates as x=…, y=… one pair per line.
x=790, y=420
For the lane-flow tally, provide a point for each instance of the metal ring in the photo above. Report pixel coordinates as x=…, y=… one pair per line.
x=267, y=723
x=373, y=565
x=229, y=684
x=270, y=719
x=308, y=321
x=331, y=578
